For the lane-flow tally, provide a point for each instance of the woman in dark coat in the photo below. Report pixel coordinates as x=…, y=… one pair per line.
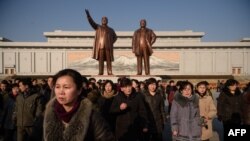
x=70, y=118
x=246, y=107
x=10, y=115
x=230, y=104
x=105, y=101
x=155, y=111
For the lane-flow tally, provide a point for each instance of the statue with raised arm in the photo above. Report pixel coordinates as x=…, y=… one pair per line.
x=105, y=37
x=142, y=42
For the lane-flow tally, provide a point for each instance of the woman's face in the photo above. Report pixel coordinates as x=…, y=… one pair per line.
x=232, y=87
x=201, y=89
x=66, y=91
x=134, y=84
x=108, y=87
x=187, y=91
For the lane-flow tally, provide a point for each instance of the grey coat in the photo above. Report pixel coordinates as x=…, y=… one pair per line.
x=86, y=124
x=185, y=117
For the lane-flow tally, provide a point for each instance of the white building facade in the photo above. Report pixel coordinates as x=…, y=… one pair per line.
x=176, y=53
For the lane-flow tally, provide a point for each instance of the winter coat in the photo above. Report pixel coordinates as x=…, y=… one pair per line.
x=207, y=109
x=9, y=113
x=85, y=125
x=155, y=111
x=3, y=102
x=28, y=108
x=185, y=117
x=246, y=108
x=229, y=108
x=104, y=103
x=131, y=121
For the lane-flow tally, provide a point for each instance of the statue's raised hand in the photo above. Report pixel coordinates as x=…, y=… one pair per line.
x=87, y=12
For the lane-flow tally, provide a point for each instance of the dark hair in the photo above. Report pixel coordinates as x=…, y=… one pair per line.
x=109, y=81
x=94, y=87
x=125, y=82
x=184, y=84
x=76, y=76
x=5, y=82
x=247, y=88
x=171, y=81
x=202, y=83
x=84, y=79
x=151, y=81
x=14, y=85
x=230, y=82
x=26, y=81
x=178, y=83
x=135, y=80
x=92, y=78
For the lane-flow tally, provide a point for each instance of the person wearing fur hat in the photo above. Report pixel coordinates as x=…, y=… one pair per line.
x=185, y=114
x=68, y=117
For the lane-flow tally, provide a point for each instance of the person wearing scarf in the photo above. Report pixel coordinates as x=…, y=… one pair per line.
x=185, y=114
x=68, y=117
x=105, y=101
x=208, y=110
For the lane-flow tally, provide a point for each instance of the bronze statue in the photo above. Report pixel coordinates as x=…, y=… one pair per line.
x=142, y=42
x=103, y=44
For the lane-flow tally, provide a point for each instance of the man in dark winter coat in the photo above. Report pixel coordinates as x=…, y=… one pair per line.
x=130, y=112
x=28, y=110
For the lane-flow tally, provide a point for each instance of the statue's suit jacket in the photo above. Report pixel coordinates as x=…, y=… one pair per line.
x=150, y=39
x=104, y=37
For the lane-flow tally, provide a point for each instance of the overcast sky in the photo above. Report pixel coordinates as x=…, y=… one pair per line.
x=220, y=20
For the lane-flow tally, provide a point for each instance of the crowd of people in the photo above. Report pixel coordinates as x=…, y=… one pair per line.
x=70, y=107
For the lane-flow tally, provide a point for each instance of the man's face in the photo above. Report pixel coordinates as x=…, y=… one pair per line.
x=152, y=87
x=127, y=90
x=164, y=84
x=104, y=20
x=22, y=87
x=143, y=23
x=3, y=87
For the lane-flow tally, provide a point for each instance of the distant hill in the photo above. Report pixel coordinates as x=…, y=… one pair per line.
x=124, y=63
